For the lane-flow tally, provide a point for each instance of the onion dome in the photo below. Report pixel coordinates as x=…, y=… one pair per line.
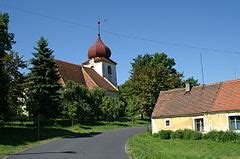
x=99, y=49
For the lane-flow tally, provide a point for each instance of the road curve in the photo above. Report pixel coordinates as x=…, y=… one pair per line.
x=106, y=145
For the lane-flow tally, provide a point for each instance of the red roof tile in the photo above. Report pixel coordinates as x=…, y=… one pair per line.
x=224, y=96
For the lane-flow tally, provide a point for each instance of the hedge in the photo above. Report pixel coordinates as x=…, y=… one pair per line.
x=187, y=134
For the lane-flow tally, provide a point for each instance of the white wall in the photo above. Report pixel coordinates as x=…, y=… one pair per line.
x=102, y=69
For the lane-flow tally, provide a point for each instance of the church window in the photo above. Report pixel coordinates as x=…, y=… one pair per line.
x=109, y=70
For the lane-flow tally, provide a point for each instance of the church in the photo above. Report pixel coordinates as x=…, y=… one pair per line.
x=99, y=71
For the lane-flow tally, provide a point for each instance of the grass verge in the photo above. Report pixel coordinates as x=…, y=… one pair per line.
x=147, y=147
x=17, y=136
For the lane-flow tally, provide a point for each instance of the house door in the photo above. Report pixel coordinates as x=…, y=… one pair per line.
x=199, y=124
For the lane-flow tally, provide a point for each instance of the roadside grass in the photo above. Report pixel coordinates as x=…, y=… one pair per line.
x=17, y=136
x=147, y=147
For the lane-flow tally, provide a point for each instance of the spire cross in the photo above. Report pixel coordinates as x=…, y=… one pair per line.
x=98, y=23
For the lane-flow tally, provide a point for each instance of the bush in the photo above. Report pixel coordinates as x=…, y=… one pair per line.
x=178, y=134
x=191, y=135
x=222, y=136
x=165, y=134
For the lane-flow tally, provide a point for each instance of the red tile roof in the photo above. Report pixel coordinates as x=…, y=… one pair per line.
x=82, y=75
x=218, y=97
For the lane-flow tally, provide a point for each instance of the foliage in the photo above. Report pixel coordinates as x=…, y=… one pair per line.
x=187, y=134
x=164, y=134
x=96, y=96
x=111, y=108
x=191, y=81
x=43, y=91
x=178, y=134
x=6, y=41
x=222, y=136
x=76, y=101
x=149, y=75
x=132, y=108
x=11, y=79
x=16, y=98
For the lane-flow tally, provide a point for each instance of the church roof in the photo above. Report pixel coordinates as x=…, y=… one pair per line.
x=82, y=75
x=217, y=97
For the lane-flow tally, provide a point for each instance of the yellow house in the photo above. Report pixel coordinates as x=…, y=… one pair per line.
x=202, y=108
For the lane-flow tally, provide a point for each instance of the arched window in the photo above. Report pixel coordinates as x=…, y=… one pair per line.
x=109, y=70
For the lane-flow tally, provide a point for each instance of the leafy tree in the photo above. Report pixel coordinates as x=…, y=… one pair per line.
x=191, y=81
x=16, y=98
x=132, y=107
x=76, y=102
x=96, y=96
x=111, y=108
x=6, y=41
x=43, y=91
x=151, y=74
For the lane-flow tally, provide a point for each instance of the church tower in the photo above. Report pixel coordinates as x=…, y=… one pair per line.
x=99, y=60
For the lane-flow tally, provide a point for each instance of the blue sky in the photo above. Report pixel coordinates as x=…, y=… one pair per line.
x=211, y=24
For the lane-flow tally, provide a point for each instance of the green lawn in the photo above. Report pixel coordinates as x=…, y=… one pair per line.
x=146, y=146
x=16, y=136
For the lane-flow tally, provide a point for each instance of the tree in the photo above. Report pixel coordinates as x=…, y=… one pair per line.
x=112, y=108
x=132, y=107
x=96, y=96
x=151, y=74
x=76, y=102
x=16, y=98
x=6, y=41
x=43, y=96
x=191, y=81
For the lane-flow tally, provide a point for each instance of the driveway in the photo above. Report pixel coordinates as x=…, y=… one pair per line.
x=106, y=145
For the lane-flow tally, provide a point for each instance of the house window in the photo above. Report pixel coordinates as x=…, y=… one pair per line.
x=199, y=124
x=234, y=122
x=167, y=123
x=109, y=70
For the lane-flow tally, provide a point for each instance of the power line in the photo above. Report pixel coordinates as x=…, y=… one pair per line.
x=124, y=35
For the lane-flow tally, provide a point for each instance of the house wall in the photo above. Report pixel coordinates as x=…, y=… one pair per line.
x=214, y=121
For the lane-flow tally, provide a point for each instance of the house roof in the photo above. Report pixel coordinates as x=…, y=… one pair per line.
x=217, y=97
x=82, y=75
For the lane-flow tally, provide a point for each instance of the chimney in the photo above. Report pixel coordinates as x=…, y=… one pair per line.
x=188, y=87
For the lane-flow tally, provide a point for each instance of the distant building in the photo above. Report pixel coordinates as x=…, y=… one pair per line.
x=98, y=71
x=203, y=108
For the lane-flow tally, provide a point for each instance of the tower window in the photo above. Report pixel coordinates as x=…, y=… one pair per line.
x=109, y=70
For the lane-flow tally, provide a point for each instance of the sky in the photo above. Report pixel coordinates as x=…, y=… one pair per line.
x=70, y=27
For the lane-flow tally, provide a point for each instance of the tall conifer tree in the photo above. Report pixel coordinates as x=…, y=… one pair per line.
x=43, y=92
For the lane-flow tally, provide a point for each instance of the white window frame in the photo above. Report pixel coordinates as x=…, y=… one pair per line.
x=199, y=117
x=228, y=121
x=170, y=123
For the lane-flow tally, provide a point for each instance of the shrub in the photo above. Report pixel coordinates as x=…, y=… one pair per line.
x=191, y=135
x=222, y=136
x=165, y=134
x=178, y=134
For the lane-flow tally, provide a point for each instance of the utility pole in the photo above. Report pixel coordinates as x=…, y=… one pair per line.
x=38, y=127
x=203, y=82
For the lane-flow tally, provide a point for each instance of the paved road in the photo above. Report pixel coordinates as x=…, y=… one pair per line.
x=105, y=145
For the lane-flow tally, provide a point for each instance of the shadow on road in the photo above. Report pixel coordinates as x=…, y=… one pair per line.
x=39, y=153
x=21, y=136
